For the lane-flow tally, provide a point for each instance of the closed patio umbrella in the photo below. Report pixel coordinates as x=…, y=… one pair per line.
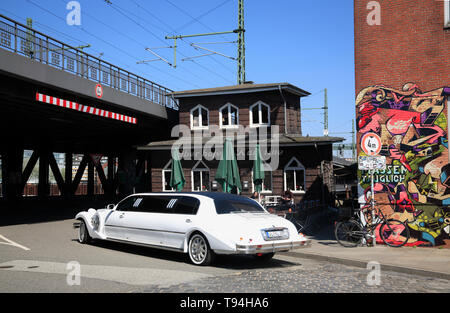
x=228, y=172
x=177, y=180
x=258, y=170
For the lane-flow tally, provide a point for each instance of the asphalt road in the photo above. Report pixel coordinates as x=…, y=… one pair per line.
x=44, y=257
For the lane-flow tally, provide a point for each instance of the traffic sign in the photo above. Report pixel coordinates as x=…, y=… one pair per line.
x=99, y=91
x=367, y=163
x=371, y=144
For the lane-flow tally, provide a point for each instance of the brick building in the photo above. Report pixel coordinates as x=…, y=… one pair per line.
x=402, y=78
x=269, y=111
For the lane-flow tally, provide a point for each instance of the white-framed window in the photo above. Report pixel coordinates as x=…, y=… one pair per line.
x=259, y=114
x=294, y=176
x=200, y=177
x=267, y=183
x=447, y=13
x=166, y=172
x=199, y=117
x=229, y=116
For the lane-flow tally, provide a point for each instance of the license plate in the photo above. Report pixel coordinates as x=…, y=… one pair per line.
x=274, y=234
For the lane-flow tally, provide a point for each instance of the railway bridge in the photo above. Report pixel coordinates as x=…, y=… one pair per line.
x=69, y=121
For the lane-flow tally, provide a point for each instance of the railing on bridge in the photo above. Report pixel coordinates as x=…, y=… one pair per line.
x=26, y=41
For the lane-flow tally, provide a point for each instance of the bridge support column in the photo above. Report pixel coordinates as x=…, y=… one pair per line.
x=68, y=190
x=110, y=180
x=44, y=185
x=127, y=173
x=12, y=160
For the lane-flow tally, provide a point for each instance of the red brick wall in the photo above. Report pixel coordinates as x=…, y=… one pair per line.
x=410, y=45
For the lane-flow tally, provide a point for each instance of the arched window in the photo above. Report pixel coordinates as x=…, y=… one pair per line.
x=229, y=116
x=294, y=176
x=259, y=114
x=199, y=117
x=166, y=172
x=200, y=177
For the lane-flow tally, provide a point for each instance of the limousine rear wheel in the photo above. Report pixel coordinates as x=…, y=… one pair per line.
x=83, y=233
x=199, y=251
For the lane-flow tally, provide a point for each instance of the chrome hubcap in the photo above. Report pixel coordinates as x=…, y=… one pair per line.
x=81, y=232
x=198, y=249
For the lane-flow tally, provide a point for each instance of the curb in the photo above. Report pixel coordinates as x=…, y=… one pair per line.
x=363, y=264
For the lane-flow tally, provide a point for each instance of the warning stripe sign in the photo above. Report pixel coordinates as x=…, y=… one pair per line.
x=84, y=108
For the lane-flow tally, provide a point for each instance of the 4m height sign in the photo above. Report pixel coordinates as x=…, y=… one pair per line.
x=371, y=144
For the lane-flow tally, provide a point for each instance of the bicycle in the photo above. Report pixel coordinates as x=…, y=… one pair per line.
x=300, y=225
x=351, y=232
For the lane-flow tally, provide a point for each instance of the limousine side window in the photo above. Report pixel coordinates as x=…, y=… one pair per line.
x=127, y=204
x=237, y=206
x=158, y=204
x=187, y=205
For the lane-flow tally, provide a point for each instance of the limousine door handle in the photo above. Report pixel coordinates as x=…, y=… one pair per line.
x=122, y=215
x=188, y=220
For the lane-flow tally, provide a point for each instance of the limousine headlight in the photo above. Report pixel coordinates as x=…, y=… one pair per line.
x=275, y=233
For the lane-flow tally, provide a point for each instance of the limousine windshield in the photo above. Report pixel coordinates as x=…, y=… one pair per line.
x=224, y=206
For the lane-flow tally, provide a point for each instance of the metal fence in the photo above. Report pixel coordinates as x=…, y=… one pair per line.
x=28, y=42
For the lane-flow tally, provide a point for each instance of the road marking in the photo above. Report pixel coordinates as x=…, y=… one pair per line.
x=127, y=275
x=12, y=243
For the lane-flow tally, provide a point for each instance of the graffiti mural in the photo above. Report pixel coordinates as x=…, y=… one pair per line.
x=415, y=186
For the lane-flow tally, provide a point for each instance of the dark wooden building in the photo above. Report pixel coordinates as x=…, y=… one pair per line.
x=267, y=114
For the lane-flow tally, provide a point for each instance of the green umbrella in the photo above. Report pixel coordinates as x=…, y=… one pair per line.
x=177, y=180
x=228, y=172
x=258, y=170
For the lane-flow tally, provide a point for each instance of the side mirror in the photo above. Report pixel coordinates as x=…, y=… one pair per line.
x=110, y=206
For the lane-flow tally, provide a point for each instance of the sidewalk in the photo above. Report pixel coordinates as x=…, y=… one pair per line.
x=431, y=262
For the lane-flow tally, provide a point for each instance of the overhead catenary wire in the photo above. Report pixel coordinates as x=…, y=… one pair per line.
x=117, y=8
x=116, y=47
x=204, y=25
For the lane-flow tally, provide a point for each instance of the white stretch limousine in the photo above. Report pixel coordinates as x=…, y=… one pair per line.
x=200, y=224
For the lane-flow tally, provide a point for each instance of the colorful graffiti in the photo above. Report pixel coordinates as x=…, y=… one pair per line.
x=415, y=186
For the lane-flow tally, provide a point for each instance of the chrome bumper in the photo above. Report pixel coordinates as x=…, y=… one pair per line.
x=272, y=247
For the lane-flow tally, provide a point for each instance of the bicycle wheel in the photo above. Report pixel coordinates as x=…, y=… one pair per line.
x=349, y=233
x=394, y=233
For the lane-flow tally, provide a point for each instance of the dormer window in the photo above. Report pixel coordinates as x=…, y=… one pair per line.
x=294, y=176
x=259, y=114
x=229, y=116
x=200, y=177
x=199, y=117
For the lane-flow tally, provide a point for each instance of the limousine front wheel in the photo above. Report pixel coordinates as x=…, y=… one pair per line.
x=83, y=233
x=199, y=250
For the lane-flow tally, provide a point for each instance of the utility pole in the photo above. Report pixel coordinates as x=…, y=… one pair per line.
x=241, y=44
x=348, y=147
x=353, y=141
x=29, y=43
x=325, y=114
x=240, y=49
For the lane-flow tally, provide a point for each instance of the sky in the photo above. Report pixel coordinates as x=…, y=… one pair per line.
x=306, y=43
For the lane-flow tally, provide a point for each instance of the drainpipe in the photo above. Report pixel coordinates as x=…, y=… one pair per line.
x=285, y=113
